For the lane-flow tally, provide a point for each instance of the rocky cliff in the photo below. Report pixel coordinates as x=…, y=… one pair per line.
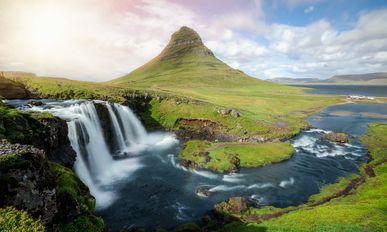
x=36, y=174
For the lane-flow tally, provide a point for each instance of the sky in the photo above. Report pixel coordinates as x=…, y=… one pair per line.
x=98, y=40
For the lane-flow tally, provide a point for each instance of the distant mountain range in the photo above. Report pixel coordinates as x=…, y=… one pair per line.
x=352, y=79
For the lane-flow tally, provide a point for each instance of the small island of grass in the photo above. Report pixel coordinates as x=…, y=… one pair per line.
x=229, y=157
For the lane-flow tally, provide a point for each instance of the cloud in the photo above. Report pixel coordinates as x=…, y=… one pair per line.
x=99, y=40
x=309, y=9
x=90, y=39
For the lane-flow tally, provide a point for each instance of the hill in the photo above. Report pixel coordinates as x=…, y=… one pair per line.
x=350, y=79
x=368, y=78
x=10, y=89
x=294, y=81
x=186, y=61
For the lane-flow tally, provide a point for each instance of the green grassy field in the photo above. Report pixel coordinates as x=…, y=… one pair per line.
x=221, y=155
x=363, y=209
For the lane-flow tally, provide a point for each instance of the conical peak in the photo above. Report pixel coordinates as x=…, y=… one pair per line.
x=185, y=35
x=184, y=41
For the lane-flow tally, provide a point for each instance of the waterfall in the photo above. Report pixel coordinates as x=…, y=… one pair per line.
x=95, y=164
x=128, y=130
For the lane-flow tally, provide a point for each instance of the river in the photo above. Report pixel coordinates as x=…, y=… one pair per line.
x=146, y=187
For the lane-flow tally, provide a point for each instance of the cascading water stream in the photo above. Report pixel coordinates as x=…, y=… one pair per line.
x=95, y=164
x=116, y=127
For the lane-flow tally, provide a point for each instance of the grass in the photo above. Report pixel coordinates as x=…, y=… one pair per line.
x=12, y=219
x=268, y=110
x=219, y=156
x=365, y=209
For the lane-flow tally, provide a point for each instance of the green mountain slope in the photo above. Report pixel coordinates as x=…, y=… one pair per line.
x=186, y=60
x=186, y=67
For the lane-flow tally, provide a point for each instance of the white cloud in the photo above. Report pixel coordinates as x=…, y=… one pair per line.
x=309, y=9
x=100, y=40
x=88, y=39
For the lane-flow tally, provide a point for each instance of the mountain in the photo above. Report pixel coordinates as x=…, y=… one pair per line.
x=368, y=78
x=186, y=60
x=352, y=79
x=295, y=81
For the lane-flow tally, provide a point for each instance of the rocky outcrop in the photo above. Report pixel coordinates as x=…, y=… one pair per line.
x=232, y=112
x=234, y=205
x=201, y=129
x=336, y=137
x=55, y=142
x=12, y=90
x=31, y=181
x=44, y=131
x=26, y=181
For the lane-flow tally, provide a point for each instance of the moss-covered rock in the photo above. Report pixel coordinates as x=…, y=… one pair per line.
x=42, y=130
x=336, y=137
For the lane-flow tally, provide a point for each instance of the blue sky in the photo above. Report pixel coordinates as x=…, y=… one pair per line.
x=98, y=40
x=342, y=14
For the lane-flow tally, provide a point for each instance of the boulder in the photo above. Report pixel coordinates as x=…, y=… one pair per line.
x=234, y=113
x=234, y=205
x=203, y=191
x=336, y=137
x=224, y=111
x=36, y=103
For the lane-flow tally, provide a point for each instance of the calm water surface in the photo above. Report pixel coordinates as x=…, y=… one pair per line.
x=366, y=90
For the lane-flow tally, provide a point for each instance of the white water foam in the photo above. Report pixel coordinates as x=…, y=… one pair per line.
x=260, y=186
x=206, y=174
x=225, y=188
x=286, y=183
x=233, y=177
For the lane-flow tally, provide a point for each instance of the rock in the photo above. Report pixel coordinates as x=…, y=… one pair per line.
x=235, y=162
x=203, y=191
x=234, y=113
x=36, y=103
x=238, y=125
x=336, y=137
x=27, y=183
x=224, y=111
x=55, y=142
x=234, y=205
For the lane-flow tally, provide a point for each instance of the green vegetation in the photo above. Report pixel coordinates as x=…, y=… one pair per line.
x=62, y=88
x=69, y=183
x=17, y=126
x=12, y=219
x=223, y=157
x=11, y=161
x=188, y=227
x=362, y=208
